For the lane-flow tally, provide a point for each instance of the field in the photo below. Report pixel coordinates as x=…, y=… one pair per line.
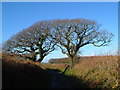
x=95, y=72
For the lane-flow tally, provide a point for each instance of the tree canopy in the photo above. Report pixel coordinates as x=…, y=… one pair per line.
x=31, y=42
x=73, y=34
x=69, y=34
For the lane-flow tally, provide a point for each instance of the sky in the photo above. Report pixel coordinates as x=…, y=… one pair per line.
x=17, y=16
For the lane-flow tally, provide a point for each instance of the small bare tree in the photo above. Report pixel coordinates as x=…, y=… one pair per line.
x=71, y=35
x=31, y=42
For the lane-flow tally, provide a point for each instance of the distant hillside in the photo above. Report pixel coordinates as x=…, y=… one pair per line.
x=23, y=74
x=66, y=60
x=59, y=60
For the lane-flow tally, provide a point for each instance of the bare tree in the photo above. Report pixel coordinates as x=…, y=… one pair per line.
x=71, y=35
x=31, y=42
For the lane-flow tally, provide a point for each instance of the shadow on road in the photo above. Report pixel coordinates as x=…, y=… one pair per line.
x=59, y=80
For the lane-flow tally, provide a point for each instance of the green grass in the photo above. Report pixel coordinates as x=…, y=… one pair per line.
x=95, y=72
x=92, y=72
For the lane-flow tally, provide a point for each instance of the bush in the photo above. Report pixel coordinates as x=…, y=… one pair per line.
x=23, y=74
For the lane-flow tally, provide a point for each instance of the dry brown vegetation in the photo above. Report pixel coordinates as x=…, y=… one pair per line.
x=62, y=60
x=23, y=74
x=95, y=71
x=99, y=71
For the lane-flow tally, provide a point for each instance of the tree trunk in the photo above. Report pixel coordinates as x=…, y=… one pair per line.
x=34, y=58
x=72, y=62
x=40, y=54
x=73, y=59
x=40, y=59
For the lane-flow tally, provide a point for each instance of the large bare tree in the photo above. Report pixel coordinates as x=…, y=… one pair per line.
x=71, y=35
x=31, y=42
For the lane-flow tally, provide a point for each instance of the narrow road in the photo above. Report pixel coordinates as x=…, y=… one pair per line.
x=59, y=80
